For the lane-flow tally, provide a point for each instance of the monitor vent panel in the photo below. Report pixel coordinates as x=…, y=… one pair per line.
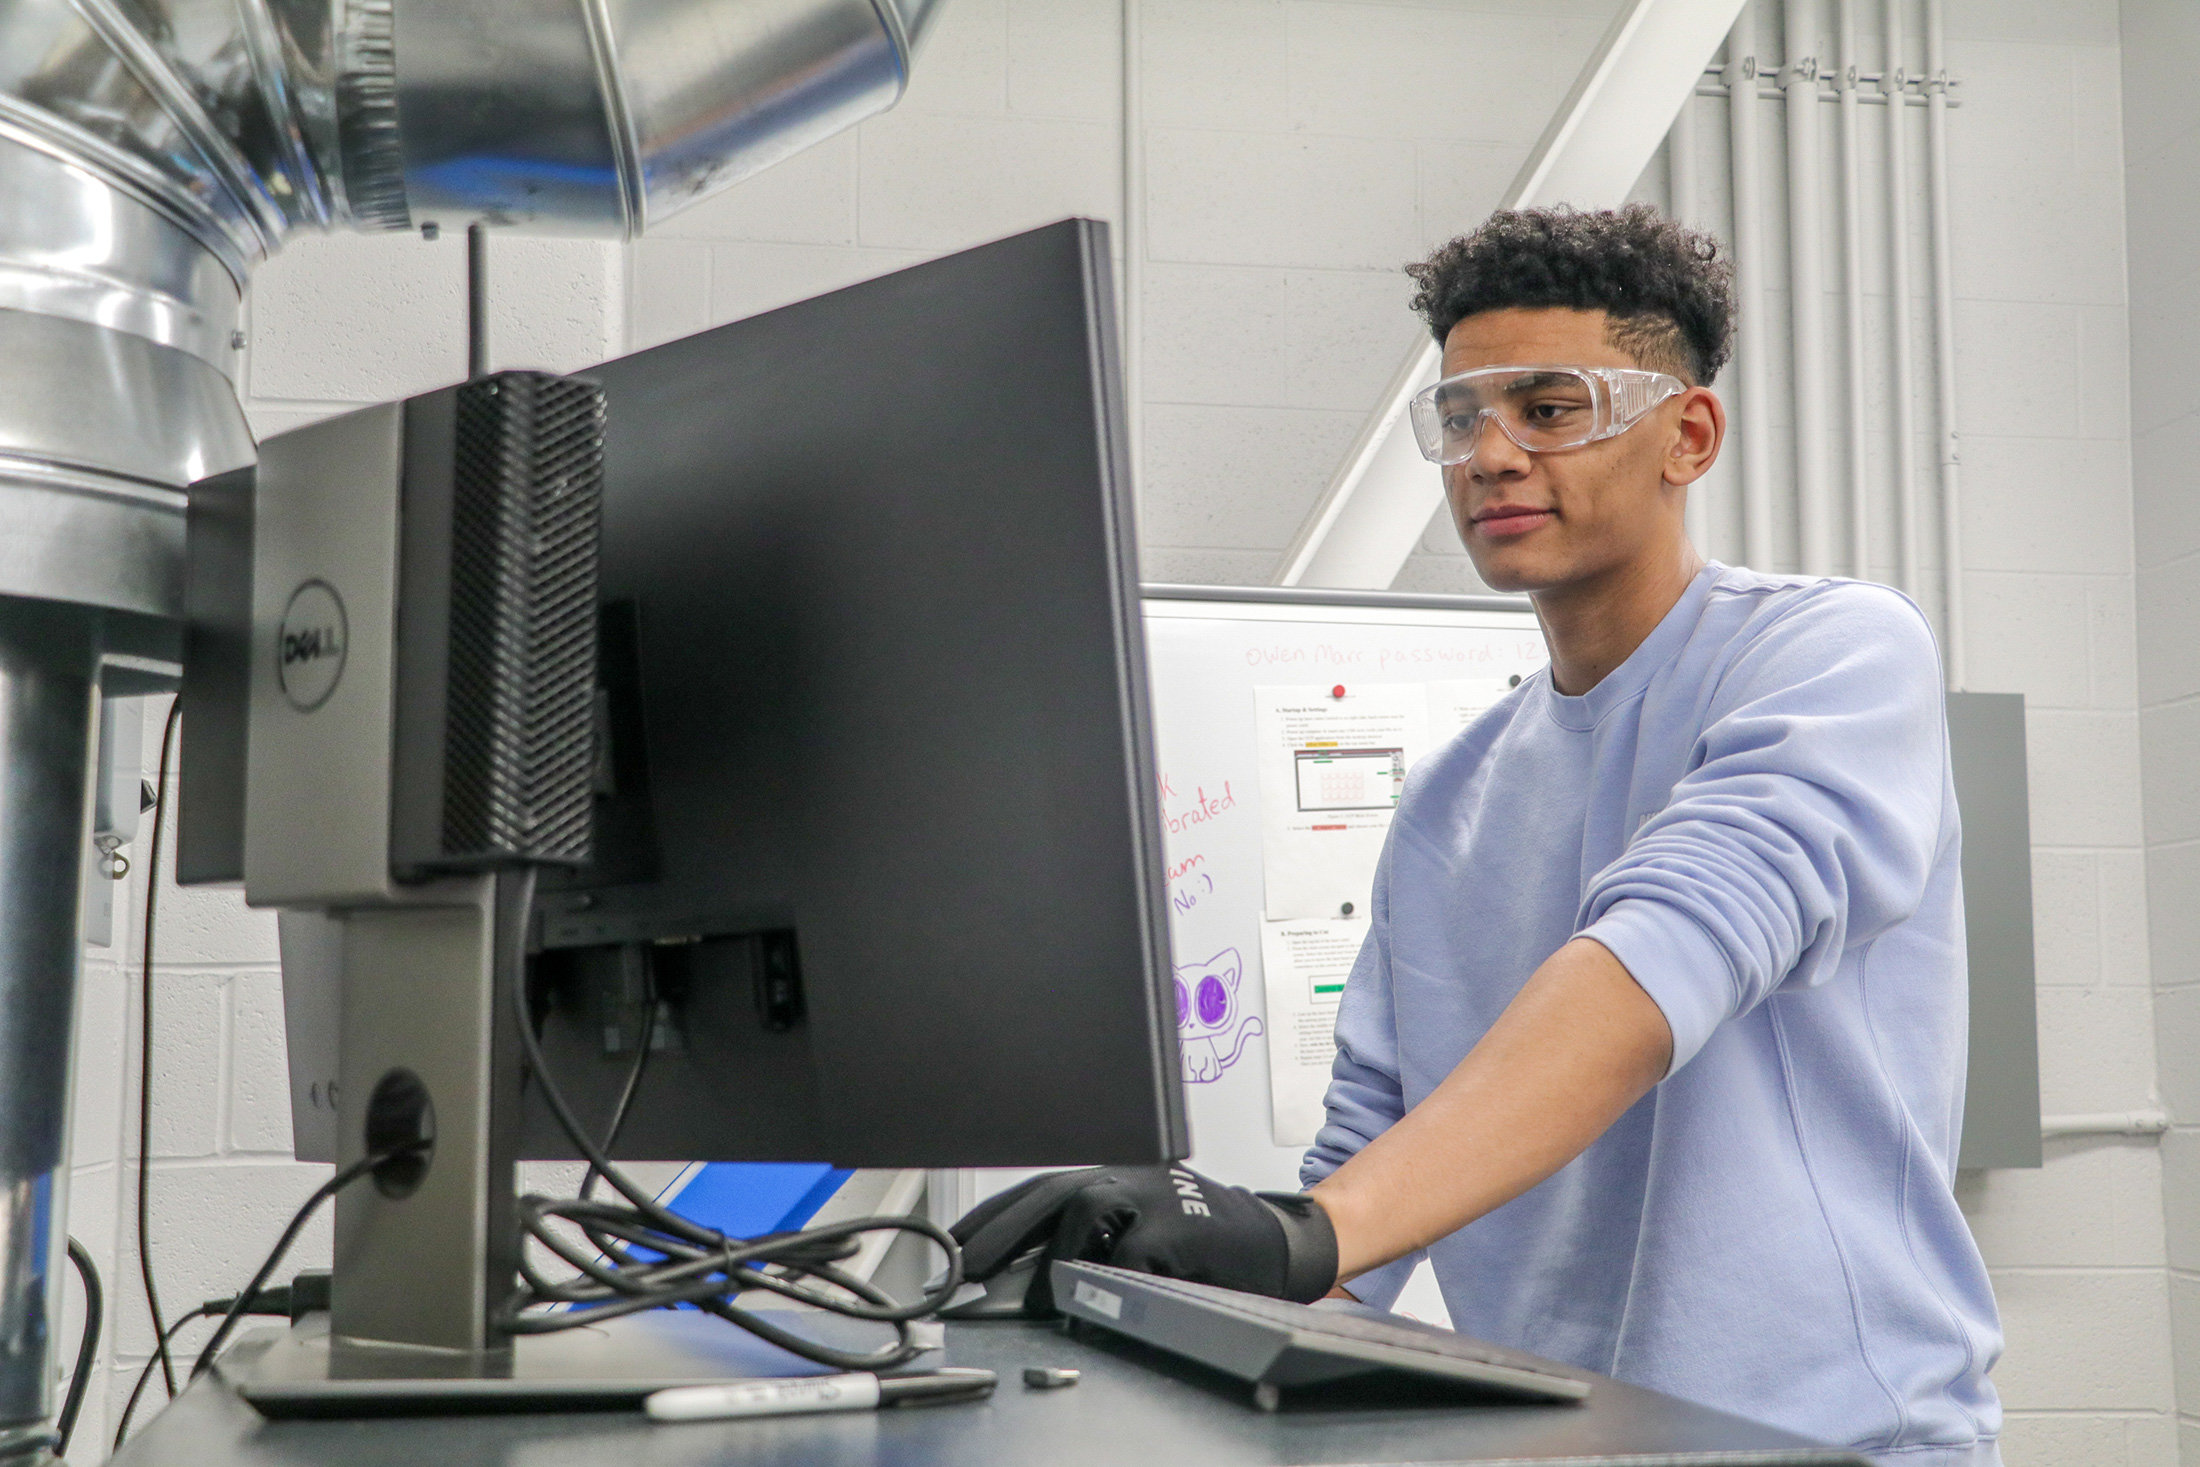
x=527, y=508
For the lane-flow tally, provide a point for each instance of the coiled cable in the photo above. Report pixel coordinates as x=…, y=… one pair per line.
x=637, y=1254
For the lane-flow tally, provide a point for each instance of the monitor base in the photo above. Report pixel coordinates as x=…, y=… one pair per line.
x=306, y=1372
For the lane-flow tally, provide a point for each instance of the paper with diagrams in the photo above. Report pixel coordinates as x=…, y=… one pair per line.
x=1333, y=760
x=1305, y=964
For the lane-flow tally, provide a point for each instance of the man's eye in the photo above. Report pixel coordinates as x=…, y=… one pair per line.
x=1550, y=411
x=1461, y=422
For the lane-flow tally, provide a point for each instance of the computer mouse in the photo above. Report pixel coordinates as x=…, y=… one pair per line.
x=1003, y=1295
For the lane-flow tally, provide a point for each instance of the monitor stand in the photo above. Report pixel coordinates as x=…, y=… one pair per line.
x=426, y=1255
x=307, y=1371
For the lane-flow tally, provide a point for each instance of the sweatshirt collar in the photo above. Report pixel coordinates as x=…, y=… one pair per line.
x=1628, y=680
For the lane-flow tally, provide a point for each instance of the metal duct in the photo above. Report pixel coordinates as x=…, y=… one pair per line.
x=151, y=153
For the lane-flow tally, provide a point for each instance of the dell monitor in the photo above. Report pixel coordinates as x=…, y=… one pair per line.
x=800, y=664
x=876, y=809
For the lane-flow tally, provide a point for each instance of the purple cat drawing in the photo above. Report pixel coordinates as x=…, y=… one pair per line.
x=1211, y=1028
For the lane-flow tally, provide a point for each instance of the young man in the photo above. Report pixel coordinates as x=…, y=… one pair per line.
x=1656, y=1047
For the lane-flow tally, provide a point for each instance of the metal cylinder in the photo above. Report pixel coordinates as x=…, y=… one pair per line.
x=1894, y=81
x=1807, y=293
x=48, y=675
x=1852, y=298
x=1750, y=251
x=1952, y=634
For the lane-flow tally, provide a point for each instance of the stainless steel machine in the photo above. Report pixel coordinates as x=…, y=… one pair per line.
x=150, y=156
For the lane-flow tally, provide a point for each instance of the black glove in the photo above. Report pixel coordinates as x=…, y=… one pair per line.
x=1165, y=1220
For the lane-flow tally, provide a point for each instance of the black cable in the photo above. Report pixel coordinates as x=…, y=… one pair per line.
x=129, y=1408
x=642, y=1255
x=87, y=1344
x=304, y=1294
x=633, y=1077
x=145, y=1058
x=245, y=1302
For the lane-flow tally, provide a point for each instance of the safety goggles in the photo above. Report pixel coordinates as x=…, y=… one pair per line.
x=1542, y=409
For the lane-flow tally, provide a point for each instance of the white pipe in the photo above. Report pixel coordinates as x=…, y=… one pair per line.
x=1944, y=336
x=1852, y=295
x=1893, y=82
x=2106, y=1123
x=1682, y=169
x=1356, y=533
x=1807, y=291
x=1134, y=247
x=1753, y=344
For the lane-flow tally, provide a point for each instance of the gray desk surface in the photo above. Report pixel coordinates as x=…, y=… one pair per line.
x=1132, y=1406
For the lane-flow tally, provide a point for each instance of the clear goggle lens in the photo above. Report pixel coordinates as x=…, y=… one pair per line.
x=1542, y=409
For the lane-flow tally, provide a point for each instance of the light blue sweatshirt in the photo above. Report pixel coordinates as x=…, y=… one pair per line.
x=1754, y=813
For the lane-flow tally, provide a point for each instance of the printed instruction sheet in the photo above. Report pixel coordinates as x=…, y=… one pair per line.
x=1332, y=762
x=1305, y=963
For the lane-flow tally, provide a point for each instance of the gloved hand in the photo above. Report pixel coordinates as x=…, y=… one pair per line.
x=1165, y=1220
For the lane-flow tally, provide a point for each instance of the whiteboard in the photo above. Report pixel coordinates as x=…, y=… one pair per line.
x=1208, y=650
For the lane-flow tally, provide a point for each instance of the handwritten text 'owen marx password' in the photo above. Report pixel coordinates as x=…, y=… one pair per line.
x=1378, y=659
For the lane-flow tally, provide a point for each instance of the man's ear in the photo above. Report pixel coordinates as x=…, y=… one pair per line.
x=1698, y=435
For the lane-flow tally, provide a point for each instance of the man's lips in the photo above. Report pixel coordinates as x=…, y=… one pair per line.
x=1505, y=521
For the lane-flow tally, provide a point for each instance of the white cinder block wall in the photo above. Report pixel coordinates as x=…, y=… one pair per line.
x=2162, y=190
x=2043, y=406
x=1296, y=152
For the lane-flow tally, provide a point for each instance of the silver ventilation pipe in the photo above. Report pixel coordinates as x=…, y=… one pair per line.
x=151, y=154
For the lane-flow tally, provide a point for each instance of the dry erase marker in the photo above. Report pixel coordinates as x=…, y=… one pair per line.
x=807, y=1395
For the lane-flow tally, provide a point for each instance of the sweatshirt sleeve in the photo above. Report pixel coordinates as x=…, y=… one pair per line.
x=1807, y=825
x=1365, y=1097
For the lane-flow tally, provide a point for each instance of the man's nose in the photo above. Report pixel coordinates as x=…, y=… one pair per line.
x=1495, y=455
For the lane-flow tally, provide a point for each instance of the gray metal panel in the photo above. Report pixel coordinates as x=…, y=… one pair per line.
x=1131, y=1407
x=217, y=679
x=317, y=795
x=2001, y=1102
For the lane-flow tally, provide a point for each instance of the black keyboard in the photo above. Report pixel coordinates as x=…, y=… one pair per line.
x=1279, y=1346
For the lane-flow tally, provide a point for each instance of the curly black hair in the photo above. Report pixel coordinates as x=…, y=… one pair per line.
x=1667, y=289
